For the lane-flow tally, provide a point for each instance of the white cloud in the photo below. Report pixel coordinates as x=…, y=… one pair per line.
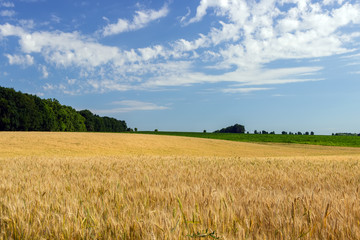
x=280, y=95
x=7, y=13
x=140, y=20
x=11, y=30
x=331, y=2
x=204, y=5
x=67, y=49
x=183, y=76
x=259, y=33
x=49, y=86
x=351, y=56
x=243, y=90
x=27, y=24
x=55, y=18
x=7, y=4
x=105, y=85
x=183, y=18
x=131, y=105
x=109, y=68
x=44, y=71
x=71, y=81
x=32, y=1
x=150, y=53
x=26, y=60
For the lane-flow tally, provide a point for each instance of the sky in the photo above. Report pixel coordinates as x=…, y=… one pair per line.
x=190, y=65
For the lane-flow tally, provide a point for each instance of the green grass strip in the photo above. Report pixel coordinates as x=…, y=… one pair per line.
x=325, y=140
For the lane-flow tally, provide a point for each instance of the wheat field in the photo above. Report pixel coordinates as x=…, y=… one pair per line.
x=130, y=186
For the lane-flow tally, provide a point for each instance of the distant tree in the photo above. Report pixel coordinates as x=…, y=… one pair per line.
x=306, y=133
x=204, y=131
x=156, y=130
x=312, y=133
x=283, y=132
x=264, y=132
x=247, y=132
x=273, y=132
x=255, y=132
x=237, y=128
x=135, y=129
x=299, y=133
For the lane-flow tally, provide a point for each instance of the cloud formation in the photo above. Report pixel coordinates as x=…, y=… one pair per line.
x=140, y=20
x=7, y=4
x=25, y=60
x=44, y=71
x=131, y=105
x=243, y=90
x=7, y=13
x=245, y=38
x=271, y=30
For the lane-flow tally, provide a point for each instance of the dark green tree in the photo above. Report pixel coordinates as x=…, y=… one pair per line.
x=237, y=128
x=25, y=112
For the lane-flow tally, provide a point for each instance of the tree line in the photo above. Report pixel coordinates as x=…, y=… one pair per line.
x=238, y=128
x=284, y=133
x=25, y=112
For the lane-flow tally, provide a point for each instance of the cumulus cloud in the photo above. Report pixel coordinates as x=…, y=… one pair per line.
x=204, y=5
x=7, y=30
x=66, y=49
x=268, y=30
x=140, y=20
x=25, y=60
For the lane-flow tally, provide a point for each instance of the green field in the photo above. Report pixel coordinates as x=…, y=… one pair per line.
x=325, y=140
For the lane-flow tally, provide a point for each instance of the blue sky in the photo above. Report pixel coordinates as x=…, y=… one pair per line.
x=190, y=65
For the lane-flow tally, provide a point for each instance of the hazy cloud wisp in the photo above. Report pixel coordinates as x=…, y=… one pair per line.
x=131, y=105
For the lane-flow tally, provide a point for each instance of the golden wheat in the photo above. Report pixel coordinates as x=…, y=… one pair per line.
x=122, y=186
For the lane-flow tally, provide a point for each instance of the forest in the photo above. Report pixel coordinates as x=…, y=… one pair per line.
x=25, y=112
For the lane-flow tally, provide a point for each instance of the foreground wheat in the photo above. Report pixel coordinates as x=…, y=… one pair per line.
x=179, y=197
